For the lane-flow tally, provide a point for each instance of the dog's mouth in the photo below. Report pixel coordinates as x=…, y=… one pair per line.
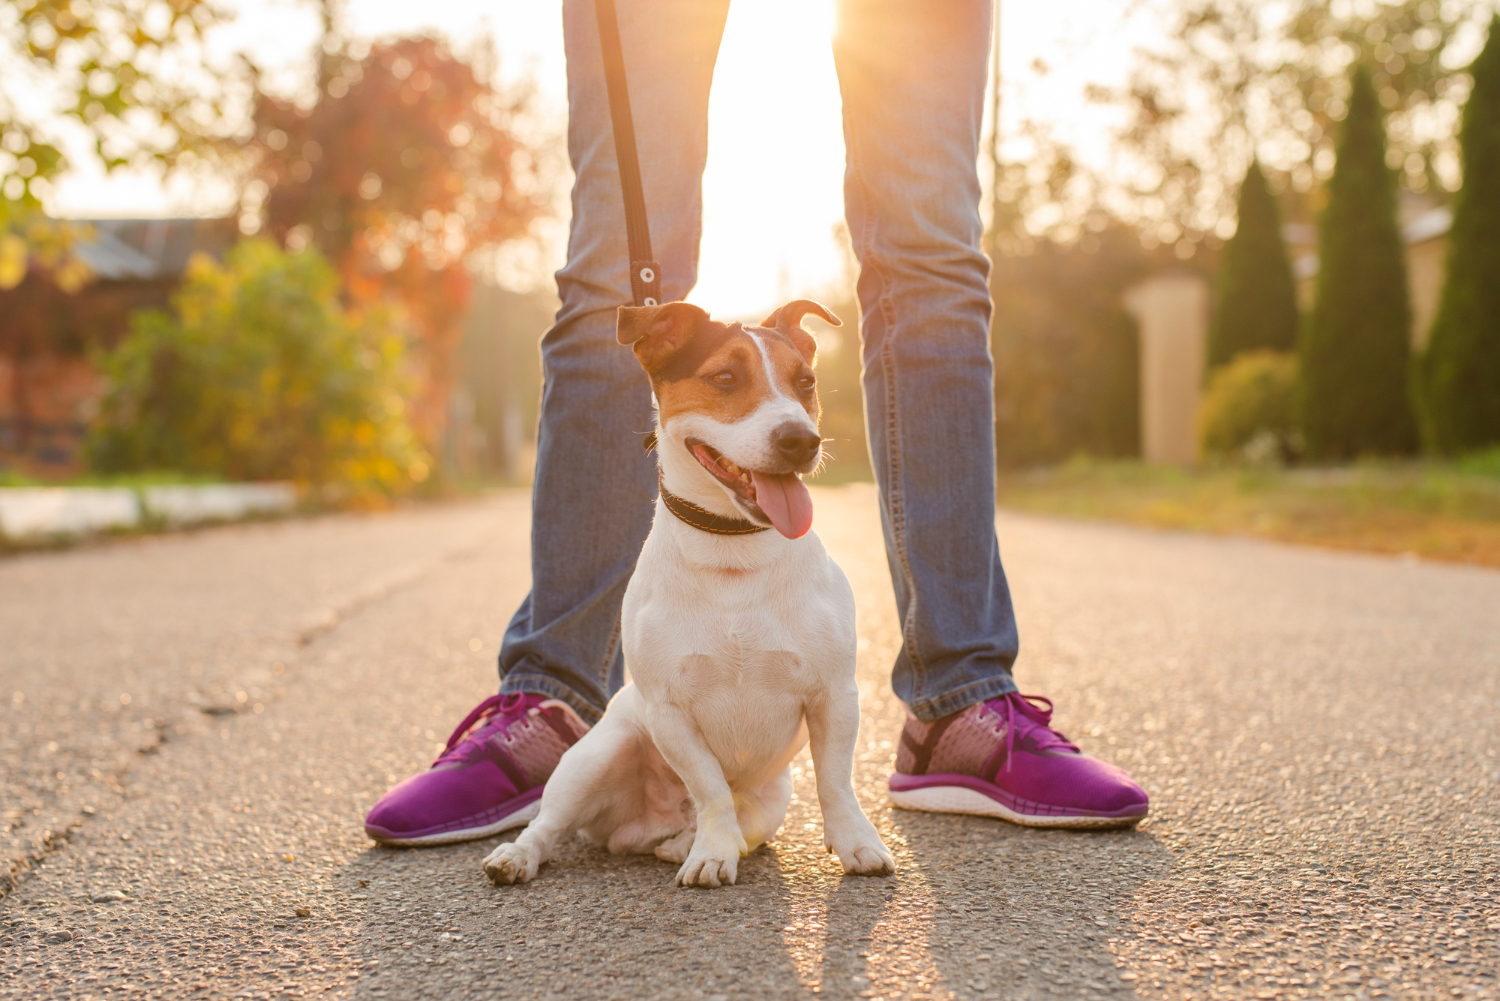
x=778, y=499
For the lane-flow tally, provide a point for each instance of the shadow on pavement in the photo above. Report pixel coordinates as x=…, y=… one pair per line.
x=1029, y=913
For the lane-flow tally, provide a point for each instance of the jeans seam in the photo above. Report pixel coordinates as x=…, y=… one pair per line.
x=611, y=647
x=894, y=495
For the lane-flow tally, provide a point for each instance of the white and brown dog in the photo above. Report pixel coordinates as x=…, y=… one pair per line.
x=739, y=641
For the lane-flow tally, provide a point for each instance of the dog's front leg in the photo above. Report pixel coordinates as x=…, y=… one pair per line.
x=718, y=843
x=832, y=732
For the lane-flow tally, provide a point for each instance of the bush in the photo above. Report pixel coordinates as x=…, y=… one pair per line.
x=1248, y=409
x=1356, y=349
x=1255, y=299
x=259, y=373
x=1458, y=384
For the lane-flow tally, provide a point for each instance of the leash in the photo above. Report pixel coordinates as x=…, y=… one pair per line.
x=645, y=273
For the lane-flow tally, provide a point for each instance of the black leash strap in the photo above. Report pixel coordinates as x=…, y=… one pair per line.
x=645, y=273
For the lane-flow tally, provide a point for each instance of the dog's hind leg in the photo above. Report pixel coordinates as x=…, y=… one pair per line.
x=582, y=787
x=760, y=811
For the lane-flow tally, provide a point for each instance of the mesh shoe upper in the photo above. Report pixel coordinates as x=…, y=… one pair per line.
x=1008, y=741
x=506, y=747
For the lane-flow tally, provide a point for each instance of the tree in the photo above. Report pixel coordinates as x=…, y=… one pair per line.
x=1355, y=351
x=259, y=372
x=1255, y=301
x=405, y=167
x=1459, y=380
x=132, y=73
x=1235, y=79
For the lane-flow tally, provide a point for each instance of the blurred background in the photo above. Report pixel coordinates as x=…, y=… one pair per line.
x=1246, y=254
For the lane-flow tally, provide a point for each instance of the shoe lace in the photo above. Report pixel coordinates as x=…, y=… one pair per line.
x=1036, y=719
x=495, y=713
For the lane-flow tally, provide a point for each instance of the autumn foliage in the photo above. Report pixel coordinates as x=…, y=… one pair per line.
x=406, y=165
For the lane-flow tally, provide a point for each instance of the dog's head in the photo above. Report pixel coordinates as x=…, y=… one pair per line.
x=742, y=401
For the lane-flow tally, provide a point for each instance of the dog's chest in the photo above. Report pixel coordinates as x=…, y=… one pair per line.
x=760, y=635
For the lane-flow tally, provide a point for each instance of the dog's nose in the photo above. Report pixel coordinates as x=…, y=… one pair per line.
x=795, y=443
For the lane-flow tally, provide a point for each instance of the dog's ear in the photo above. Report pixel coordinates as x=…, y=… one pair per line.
x=788, y=320
x=657, y=332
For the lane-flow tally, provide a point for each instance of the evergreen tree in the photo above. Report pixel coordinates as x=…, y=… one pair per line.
x=1356, y=351
x=1459, y=382
x=1255, y=299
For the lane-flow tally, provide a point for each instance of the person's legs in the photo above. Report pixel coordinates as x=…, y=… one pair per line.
x=592, y=501
x=913, y=80
x=595, y=485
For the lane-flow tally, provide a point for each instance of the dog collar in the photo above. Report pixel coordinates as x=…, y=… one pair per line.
x=705, y=520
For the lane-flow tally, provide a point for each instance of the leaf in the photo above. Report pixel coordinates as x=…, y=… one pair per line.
x=12, y=260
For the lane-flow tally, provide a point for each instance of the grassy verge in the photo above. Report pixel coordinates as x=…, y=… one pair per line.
x=1445, y=512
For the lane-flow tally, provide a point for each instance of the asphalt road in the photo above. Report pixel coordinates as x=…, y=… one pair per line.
x=193, y=725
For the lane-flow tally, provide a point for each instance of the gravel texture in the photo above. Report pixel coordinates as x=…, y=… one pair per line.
x=1317, y=731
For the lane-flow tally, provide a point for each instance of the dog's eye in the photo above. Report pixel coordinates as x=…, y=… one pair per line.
x=807, y=382
x=724, y=378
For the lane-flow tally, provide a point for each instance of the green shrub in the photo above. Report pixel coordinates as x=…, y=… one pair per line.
x=1356, y=349
x=1458, y=384
x=1255, y=299
x=259, y=373
x=1248, y=408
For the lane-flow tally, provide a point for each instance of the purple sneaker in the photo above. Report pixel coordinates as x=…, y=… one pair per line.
x=488, y=779
x=1001, y=758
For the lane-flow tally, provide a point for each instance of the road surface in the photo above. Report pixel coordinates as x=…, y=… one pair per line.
x=192, y=726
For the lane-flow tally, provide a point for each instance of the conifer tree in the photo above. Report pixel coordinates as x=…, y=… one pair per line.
x=1255, y=299
x=1355, y=352
x=1459, y=382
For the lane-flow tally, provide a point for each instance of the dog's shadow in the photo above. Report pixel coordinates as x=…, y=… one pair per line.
x=978, y=908
x=603, y=926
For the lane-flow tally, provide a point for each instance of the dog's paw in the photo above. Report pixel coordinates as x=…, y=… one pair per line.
x=860, y=849
x=708, y=869
x=512, y=863
x=868, y=860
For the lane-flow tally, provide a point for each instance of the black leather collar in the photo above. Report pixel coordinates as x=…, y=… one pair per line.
x=705, y=520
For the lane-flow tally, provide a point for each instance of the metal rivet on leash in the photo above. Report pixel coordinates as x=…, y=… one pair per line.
x=645, y=272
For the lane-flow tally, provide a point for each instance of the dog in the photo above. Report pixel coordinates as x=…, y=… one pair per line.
x=737, y=626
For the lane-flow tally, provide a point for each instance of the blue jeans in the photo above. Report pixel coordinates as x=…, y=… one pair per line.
x=912, y=76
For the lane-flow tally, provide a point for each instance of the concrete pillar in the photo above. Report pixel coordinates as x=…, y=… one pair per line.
x=1171, y=310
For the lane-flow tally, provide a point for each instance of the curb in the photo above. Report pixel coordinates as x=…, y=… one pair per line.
x=29, y=513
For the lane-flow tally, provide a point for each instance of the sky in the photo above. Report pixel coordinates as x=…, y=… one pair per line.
x=769, y=222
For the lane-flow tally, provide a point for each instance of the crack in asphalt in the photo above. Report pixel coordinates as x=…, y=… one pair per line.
x=315, y=627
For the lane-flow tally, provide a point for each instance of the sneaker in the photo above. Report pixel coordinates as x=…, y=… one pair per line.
x=488, y=779
x=1001, y=758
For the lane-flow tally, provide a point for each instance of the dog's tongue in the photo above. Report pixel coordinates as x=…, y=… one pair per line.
x=784, y=499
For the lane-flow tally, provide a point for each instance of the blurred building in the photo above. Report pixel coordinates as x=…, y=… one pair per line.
x=493, y=408
x=48, y=385
x=1425, y=223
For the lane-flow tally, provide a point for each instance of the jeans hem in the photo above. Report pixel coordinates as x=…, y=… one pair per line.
x=536, y=684
x=929, y=710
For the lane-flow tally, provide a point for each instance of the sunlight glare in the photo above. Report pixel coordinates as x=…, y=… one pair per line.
x=773, y=190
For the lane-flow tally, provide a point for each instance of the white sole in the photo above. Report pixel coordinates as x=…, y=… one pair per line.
x=956, y=799
x=520, y=818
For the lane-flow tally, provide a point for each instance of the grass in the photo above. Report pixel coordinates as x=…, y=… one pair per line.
x=1448, y=512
